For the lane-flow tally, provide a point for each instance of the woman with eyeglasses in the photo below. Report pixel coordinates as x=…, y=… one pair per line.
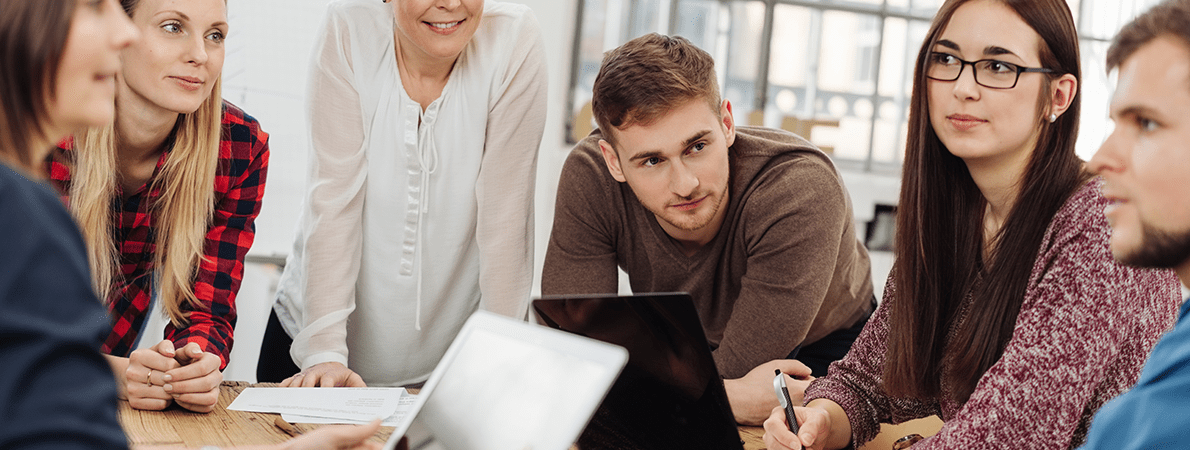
x=1005, y=313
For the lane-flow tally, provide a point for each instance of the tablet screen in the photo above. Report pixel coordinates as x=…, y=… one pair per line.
x=513, y=387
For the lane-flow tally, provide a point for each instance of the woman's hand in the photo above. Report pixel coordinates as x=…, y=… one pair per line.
x=145, y=374
x=337, y=437
x=815, y=424
x=328, y=374
x=194, y=385
x=752, y=396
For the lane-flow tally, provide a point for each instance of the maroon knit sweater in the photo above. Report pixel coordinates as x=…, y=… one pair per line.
x=1084, y=330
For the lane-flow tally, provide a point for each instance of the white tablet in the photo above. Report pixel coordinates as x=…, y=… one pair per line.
x=508, y=384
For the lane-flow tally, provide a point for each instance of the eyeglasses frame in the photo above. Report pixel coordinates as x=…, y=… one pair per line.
x=975, y=73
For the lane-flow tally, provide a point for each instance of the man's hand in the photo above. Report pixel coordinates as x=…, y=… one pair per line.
x=752, y=396
x=328, y=374
x=194, y=385
x=144, y=376
x=814, y=423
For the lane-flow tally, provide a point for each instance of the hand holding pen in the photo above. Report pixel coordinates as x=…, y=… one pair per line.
x=786, y=403
x=819, y=425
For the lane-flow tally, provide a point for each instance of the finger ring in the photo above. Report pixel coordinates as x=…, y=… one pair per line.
x=149, y=378
x=906, y=441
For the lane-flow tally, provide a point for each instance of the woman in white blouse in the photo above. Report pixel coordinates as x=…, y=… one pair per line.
x=426, y=117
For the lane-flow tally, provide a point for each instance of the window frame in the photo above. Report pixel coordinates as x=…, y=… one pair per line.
x=668, y=16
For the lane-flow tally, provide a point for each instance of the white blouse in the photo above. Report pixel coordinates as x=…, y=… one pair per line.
x=413, y=219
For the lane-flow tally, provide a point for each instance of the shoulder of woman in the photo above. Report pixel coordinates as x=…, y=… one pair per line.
x=233, y=115
x=502, y=20
x=32, y=217
x=243, y=132
x=341, y=9
x=1080, y=239
x=505, y=11
x=367, y=17
x=1082, y=215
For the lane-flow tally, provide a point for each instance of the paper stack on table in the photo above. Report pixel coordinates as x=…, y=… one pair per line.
x=328, y=405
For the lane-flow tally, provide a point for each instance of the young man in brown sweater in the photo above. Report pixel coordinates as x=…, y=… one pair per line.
x=754, y=223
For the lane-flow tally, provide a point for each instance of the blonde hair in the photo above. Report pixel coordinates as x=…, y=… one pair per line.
x=182, y=212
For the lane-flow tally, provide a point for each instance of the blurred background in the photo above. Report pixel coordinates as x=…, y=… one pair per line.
x=838, y=72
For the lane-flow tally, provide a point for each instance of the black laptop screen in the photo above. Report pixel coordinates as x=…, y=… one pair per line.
x=670, y=394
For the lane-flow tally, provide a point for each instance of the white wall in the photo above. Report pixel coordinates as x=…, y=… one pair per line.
x=265, y=74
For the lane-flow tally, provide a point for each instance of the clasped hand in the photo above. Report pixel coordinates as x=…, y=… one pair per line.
x=157, y=376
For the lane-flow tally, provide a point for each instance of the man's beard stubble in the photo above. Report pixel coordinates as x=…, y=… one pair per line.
x=1159, y=249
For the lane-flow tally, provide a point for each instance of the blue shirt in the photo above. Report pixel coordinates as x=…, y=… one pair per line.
x=1155, y=414
x=56, y=389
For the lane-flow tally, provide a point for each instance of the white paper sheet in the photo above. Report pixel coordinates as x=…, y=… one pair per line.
x=403, y=409
x=354, y=404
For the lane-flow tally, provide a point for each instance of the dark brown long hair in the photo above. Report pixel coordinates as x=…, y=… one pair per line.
x=939, y=242
x=32, y=39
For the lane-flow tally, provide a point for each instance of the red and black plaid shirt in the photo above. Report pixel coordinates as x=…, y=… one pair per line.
x=239, y=187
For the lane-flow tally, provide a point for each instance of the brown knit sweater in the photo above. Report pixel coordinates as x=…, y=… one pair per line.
x=1085, y=328
x=784, y=270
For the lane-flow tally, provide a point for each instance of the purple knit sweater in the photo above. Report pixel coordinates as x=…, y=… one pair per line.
x=1085, y=328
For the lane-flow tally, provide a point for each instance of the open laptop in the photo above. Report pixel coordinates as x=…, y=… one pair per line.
x=670, y=395
x=505, y=384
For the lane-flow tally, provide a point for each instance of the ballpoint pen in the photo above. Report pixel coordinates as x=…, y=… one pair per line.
x=786, y=402
x=287, y=427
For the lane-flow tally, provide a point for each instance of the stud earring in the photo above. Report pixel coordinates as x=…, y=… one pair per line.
x=1053, y=118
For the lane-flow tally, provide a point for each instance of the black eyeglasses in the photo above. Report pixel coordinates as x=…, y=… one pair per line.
x=988, y=72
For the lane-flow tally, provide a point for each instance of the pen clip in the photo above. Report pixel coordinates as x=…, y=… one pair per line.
x=779, y=387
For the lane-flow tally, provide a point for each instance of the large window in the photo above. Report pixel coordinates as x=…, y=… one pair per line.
x=836, y=71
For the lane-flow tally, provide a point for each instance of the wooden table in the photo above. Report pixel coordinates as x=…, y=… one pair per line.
x=753, y=437
x=179, y=428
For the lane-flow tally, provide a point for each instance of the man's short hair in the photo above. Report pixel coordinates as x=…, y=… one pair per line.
x=1169, y=18
x=647, y=77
